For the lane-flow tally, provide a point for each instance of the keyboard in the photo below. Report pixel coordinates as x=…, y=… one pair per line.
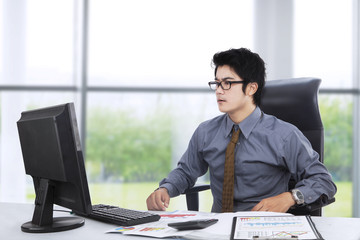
x=121, y=216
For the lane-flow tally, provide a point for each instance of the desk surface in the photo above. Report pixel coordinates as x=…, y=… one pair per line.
x=13, y=215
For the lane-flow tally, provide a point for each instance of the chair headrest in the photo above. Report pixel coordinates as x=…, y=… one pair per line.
x=293, y=100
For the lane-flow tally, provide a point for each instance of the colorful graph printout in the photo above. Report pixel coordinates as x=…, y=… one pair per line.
x=123, y=229
x=151, y=229
x=274, y=227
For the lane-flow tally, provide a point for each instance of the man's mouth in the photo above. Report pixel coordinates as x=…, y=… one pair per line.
x=221, y=100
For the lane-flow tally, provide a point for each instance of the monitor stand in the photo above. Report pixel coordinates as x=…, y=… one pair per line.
x=43, y=221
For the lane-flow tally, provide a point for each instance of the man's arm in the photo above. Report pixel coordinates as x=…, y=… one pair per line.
x=312, y=178
x=184, y=176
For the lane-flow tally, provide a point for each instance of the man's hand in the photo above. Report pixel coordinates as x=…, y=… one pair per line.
x=279, y=203
x=158, y=200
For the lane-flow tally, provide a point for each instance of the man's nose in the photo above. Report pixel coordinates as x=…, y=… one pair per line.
x=219, y=90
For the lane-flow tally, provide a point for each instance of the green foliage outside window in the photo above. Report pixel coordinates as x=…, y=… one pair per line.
x=336, y=114
x=122, y=147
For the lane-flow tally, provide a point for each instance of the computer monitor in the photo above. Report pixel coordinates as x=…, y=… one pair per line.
x=52, y=154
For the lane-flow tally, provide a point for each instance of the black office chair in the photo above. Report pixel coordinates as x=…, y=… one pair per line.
x=294, y=101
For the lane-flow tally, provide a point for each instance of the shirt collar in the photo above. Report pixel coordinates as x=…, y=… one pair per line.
x=246, y=126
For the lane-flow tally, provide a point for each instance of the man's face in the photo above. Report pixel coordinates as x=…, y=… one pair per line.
x=232, y=101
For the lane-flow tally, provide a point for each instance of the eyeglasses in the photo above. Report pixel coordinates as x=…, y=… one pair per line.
x=225, y=85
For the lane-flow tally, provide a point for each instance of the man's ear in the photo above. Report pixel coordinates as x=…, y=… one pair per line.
x=251, y=88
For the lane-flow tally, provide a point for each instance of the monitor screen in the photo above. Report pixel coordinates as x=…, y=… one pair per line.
x=52, y=155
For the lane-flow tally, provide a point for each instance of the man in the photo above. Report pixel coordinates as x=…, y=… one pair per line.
x=267, y=153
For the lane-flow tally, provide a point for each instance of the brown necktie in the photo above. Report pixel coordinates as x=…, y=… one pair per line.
x=228, y=185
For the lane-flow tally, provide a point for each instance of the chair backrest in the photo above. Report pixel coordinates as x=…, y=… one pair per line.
x=296, y=101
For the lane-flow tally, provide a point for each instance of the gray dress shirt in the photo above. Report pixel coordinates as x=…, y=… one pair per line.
x=268, y=153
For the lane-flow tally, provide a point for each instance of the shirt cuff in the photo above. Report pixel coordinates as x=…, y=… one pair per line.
x=173, y=192
x=309, y=195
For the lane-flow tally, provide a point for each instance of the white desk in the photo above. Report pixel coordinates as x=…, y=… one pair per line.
x=13, y=215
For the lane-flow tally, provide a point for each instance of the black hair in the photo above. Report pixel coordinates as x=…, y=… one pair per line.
x=246, y=64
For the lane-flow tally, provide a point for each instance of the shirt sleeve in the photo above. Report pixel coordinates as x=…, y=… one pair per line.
x=189, y=168
x=311, y=176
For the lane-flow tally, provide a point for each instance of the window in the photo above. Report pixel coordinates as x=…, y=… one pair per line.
x=323, y=48
x=162, y=44
x=147, y=71
x=49, y=42
x=37, y=50
x=323, y=41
